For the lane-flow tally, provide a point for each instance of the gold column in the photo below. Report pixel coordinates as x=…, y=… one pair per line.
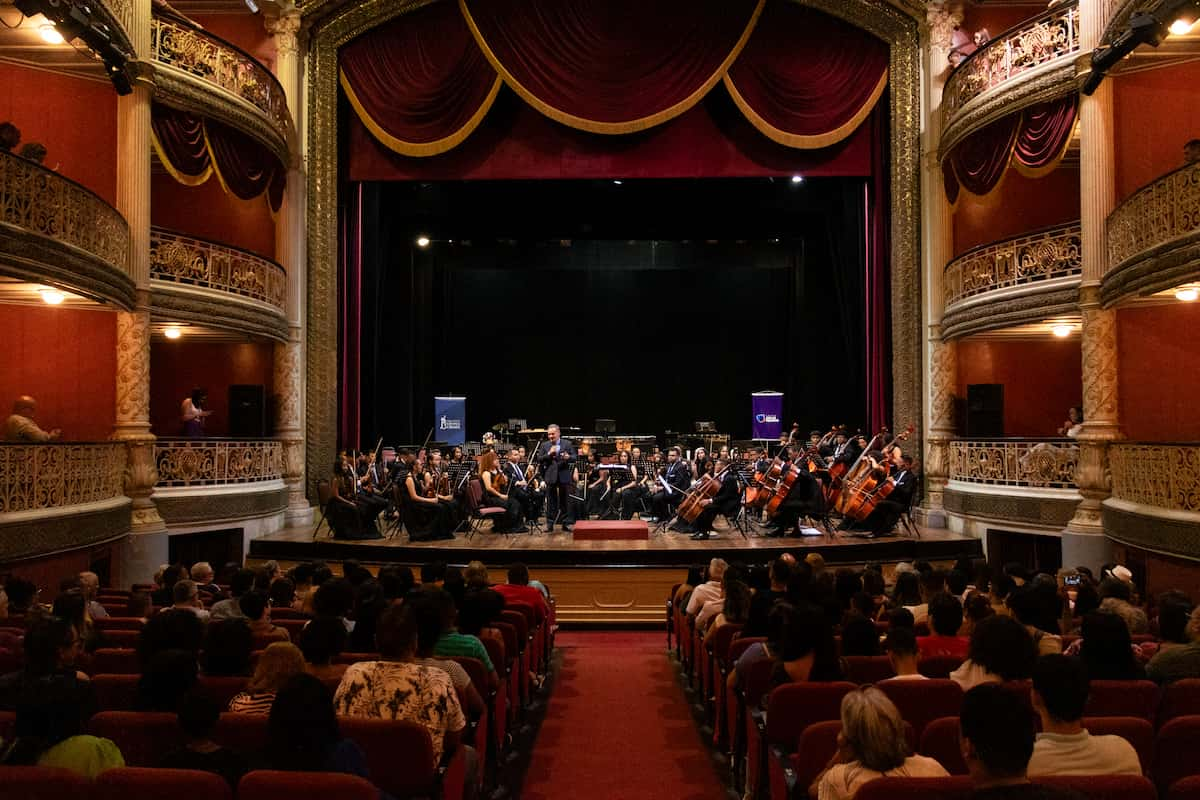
x=940, y=354
x=289, y=250
x=1083, y=542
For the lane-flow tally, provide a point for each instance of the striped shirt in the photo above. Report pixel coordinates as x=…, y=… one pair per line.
x=462, y=644
x=252, y=703
x=458, y=675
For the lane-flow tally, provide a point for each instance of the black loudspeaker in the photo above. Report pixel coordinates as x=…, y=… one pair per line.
x=985, y=410
x=247, y=411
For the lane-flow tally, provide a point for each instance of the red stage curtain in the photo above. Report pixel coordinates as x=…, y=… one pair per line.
x=613, y=67
x=981, y=159
x=806, y=79
x=178, y=138
x=1045, y=133
x=419, y=83
x=950, y=183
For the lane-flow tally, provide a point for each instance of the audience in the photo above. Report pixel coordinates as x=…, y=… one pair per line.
x=1116, y=596
x=518, y=590
x=1107, y=650
x=89, y=584
x=256, y=608
x=1000, y=650
x=187, y=598
x=321, y=640
x=279, y=662
x=859, y=637
x=807, y=651
x=228, y=644
x=198, y=716
x=1064, y=747
x=242, y=582
x=1174, y=611
x=709, y=590
x=945, y=620
x=165, y=679
x=303, y=733
x=1182, y=661
x=203, y=575
x=902, y=652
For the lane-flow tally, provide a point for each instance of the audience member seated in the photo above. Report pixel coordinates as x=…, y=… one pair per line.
x=976, y=607
x=256, y=608
x=242, y=582
x=203, y=575
x=89, y=584
x=22, y=596
x=1064, y=747
x=51, y=648
x=320, y=641
x=872, y=744
x=369, y=604
x=709, y=590
x=1174, y=611
x=72, y=606
x=165, y=679
x=1182, y=661
x=997, y=743
x=335, y=598
x=945, y=620
x=398, y=688
x=303, y=733
x=228, y=644
x=279, y=662
x=1106, y=649
x=301, y=577
x=454, y=643
x=427, y=609
x=397, y=582
x=1116, y=596
x=902, y=652
x=282, y=593
x=907, y=595
x=1030, y=605
x=735, y=606
x=170, y=630
x=777, y=621
x=518, y=590
x=166, y=578
x=198, y=716
x=807, y=652
x=1000, y=650
x=187, y=598
x=860, y=637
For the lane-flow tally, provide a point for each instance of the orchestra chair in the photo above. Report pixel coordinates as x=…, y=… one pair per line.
x=952, y=788
x=1180, y=699
x=477, y=512
x=1137, y=731
x=906, y=517
x=396, y=524
x=1185, y=789
x=1175, y=751
x=921, y=702
x=1123, y=699
x=263, y=784
x=1102, y=787
x=41, y=783
x=324, y=495
x=125, y=782
x=939, y=741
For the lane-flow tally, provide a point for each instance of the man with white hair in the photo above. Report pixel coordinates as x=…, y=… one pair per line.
x=202, y=574
x=557, y=459
x=20, y=427
x=89, y=583
x=710, y=590
x=187, y=598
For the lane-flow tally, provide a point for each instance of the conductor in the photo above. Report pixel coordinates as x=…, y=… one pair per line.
x=557, y=459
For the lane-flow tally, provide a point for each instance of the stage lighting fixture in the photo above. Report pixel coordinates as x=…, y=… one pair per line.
x=173, y=332
x=797, y=179
x=72, y=19
x=1062, y=331
x=50, y=34
x=618, y=183
x=423, y=241
x=1145, y=27
x=52, y=297
x=1189, y=293
x=1183, y=25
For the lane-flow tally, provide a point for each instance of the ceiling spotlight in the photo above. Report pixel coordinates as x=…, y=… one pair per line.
x=52, y=297
x=253, y=6
x=423, y=241
x=797, y=179
x=618, y=182
x=50, y=34
x=1189, y=293
x=1062, y=331
x=1182, y=26
x=173, y=332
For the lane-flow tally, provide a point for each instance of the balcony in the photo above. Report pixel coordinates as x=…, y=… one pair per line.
x=1155, y=501
x=211, y=481
x=1030, y=63
x=54, y=231
x=1015, y=281
x=60, y=496
x=201, y=281
x=1023, y=484
x=1154, y=237
x=198, y=72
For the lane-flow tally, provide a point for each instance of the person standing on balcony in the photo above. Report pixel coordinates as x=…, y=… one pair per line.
x=194, y=414
x=1191, y=152
x=20, y=427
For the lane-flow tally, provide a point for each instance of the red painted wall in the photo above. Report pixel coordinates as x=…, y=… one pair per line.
x=1041, y=380
x=67, y=359
x=75, y=118
x=998, y=19
x=1018, y=205
x=209, y=212
x=1160, y=100
x=47, y=572
x=242, y=29
x=180, y=366
x=1160, y=385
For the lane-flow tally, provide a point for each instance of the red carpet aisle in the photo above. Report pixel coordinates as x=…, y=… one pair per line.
x=618, y=726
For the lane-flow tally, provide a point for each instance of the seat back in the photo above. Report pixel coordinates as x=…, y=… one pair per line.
x=41, y=783
x=921, y=702
x=939, y=666
x=1138, y=732
x=868, y=669
x=475, y=669
x=1103, y=787
x=1185, y=789
x=473, y=496
x=1175, y=751
x=817, y=746
x=354, y=658
x=940, y=741
x=399, y=754
x=242, y=733
x=1123, y=699
x=143, y=737
x=116, y=661
x=520, y=625
x=722, y=639
x=1179, y=699
x=126, y=782
x=118, y=623
x=952, y=788
x=116, y=692
x=120, y=638
x=794, y=706
x=283, y=612
x=223, y=688
x=496, y=652
x=273, y=785
x=324, y=492
x=293, y=625
x=512, y=646
x=740, y=644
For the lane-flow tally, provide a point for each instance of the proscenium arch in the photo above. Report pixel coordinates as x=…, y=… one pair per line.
x=334, y=26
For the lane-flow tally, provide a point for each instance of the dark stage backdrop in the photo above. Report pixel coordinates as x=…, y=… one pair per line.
x=581, y=311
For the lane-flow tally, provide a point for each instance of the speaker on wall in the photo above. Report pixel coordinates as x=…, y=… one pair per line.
x=247, y=411
x=985, y=409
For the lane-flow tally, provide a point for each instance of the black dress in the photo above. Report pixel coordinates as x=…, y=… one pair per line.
x=511, y=520
x=351, y=520
x=426, y=522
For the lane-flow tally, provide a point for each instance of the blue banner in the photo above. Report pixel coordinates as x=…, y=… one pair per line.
x=450, y=420
x=767, y=408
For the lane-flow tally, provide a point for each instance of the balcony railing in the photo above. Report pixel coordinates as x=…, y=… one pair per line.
x=1045, y=38
x=43, y=202
x=185, y=47
x=191, y=261
x=1036, y=463
x=1154, y=215
x=213, y=462
x=1164, y=476
x=37, y=477
x=1049, y=253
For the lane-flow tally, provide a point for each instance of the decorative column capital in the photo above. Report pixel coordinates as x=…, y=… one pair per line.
x=286, y=29
x=943, y=16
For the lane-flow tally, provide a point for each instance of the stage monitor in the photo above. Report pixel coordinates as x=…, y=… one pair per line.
x=606, y=426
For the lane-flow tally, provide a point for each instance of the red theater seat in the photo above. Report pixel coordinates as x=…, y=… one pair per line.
x=136, y=782
x=115, y=692
x=1103, y=787
x=1175, y=751
x=1138, y=732
x=1123, y=699
x=1186, y=789
x=921, y=702
x=143, y=737
x=1179, y=699
x=400, y=756
x=940, y=742
x=41, y=783
x=120, y=638
x=115, y=661
x=223, y=688
x=939, y=666
x=271, y=785
x=868, y=669
x=118, y=623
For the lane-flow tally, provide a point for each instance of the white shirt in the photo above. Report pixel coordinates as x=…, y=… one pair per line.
x=1083, y=754
x=711, y=610
x=702, y=594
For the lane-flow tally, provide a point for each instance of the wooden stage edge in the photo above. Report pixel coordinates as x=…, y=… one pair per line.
x=608, y=582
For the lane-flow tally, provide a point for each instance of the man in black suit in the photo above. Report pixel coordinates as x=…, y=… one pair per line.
x=725, y=503
x=679, y=477
x=557, y=459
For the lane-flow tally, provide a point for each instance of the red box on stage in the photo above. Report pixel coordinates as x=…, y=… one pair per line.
x=611, y=530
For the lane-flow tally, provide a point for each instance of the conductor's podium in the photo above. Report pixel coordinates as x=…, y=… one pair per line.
x=595, y=530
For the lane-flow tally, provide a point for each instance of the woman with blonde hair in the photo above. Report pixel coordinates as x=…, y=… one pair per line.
x=872, y=745
x=279, y=662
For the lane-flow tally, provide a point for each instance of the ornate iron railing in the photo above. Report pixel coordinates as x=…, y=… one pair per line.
x=1160, y=475
x=44, y=202
x=34, y=477
x=1049, y=253
x=1155, y=214
x=209, y=462
x=1045, y=38
x=189, y=260
x=197, y=52
x=1040, y=463
x=122, y=12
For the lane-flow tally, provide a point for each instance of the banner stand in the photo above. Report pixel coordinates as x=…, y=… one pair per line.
x=450, y=420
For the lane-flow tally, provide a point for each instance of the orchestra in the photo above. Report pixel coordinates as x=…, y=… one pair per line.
x=845, y=483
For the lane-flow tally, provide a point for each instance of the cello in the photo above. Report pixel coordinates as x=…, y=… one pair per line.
x=691, y=506
x=860, y=499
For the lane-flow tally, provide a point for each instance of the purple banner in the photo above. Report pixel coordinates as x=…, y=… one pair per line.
x=767, y=410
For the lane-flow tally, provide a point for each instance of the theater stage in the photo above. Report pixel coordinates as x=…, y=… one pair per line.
x=609, y=582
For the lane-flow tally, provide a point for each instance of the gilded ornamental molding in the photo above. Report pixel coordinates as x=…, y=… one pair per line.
x=1154, y=237
x=1163, y=476
x=1034, y=463
x=1028, y=64
x=53, y=230
x=217, y=462
x=1051, y=513
x=48, y=476
x=195, y=509
x=201, y=281
x=198, y=72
